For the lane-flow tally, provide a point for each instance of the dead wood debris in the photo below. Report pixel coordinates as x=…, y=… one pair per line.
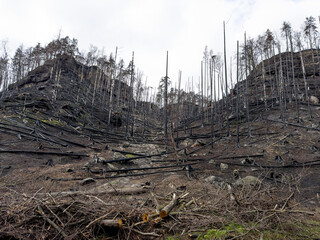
x=96, y=212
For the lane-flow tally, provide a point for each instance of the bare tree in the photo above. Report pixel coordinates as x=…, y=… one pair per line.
x=285, y=31
x=298, y=42
x=130, y=95
x=260, y=46
x=310, y=32
x=166, y=103
x=247, y=86
x=226, y=76
x=237, y=103
x=4, y=66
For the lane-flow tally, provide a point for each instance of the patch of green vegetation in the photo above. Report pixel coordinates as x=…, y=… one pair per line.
x=53, y=122
x=171, y=238
x=294, y=231
x=130, y=155
x=231, y=230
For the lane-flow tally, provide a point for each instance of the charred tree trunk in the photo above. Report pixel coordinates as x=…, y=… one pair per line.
x=247, y=86
x=130, y=95
x=237, y=103
x=294, y=80
x=226, y=78
x=305, y=82
x=166, y=104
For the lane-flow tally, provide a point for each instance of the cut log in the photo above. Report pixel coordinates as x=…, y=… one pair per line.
x=110, y=223
x=168, y=208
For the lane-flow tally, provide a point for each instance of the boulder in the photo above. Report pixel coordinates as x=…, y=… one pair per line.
x=224, y=166
x=126, y=144
x=112, y=166
x=314, y=100
x=217, y=181
x=117, y=155
x=186, y=142
x=198, y=143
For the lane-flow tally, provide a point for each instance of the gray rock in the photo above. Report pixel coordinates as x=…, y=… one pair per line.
x=248, y=181
x=217, y=181
x=88, y=164
x=224, y=166
x=112, y=166
x=126, y=145
x=87, y=181
x=314, y=100
x=117, y=156
x=186, y=142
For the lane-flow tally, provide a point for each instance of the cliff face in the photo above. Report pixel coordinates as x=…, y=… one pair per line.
x=275, y=75
x=273, y=64
x=66, y=89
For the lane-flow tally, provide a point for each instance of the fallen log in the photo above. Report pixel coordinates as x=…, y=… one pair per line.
x=97, y=191
x=45, y=217
x=44, y=153
x=294, y=125
x=168, y=208
x=134, y=158
x=242, y=156
x=119, y=176
x=208, y=144
x=32, y=135
x=148, y=168
x=111, y=223
x=125, y=152
x=43, y=138
x=299, y=165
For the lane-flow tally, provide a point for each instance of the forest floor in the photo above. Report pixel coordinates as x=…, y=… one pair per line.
x=63, y=182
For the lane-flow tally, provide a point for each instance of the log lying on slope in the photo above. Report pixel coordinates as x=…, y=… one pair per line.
x=44, y=153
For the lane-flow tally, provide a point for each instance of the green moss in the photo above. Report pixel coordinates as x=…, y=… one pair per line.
x=130, y=155
x=172, y=238
x=53, y=122
x=227, y=231
x=294, y=231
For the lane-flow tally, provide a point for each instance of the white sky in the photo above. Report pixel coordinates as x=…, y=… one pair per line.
x=150, y=27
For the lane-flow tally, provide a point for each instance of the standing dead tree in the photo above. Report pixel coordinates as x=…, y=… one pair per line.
x=166, y=103
x=130, y=96
x=226, y=77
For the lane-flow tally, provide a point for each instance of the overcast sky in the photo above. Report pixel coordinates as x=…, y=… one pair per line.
x=150, y=27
